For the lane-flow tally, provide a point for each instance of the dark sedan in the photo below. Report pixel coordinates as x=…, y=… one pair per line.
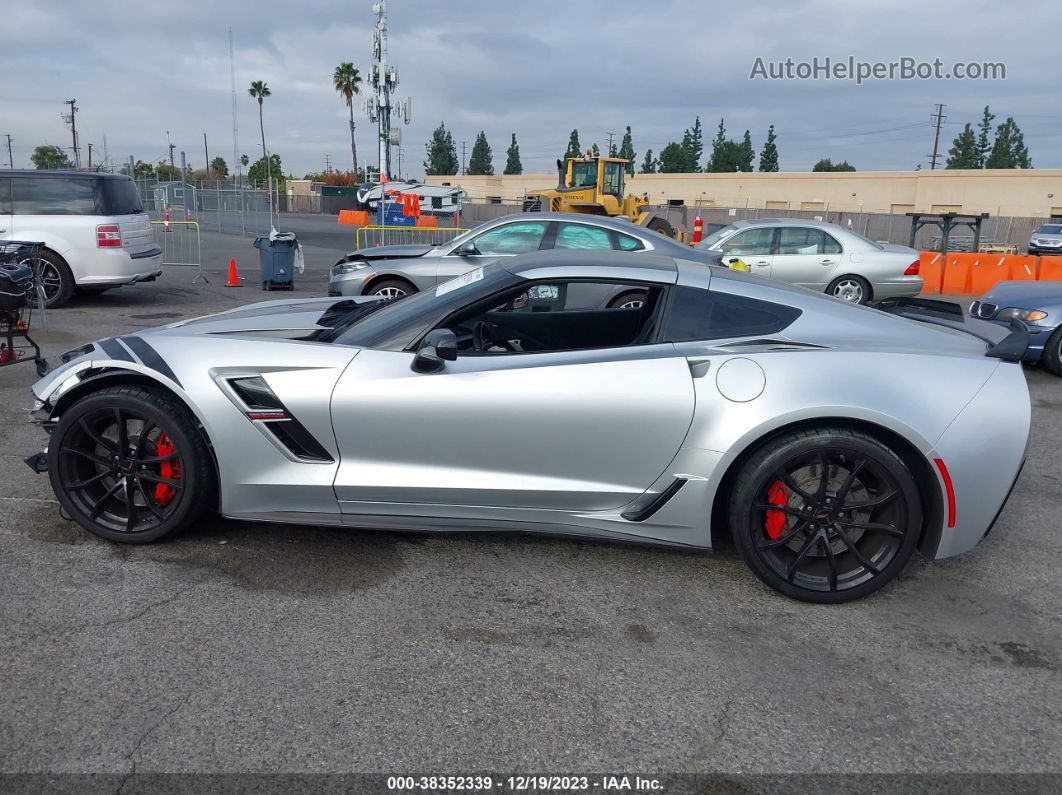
x=1039, y=306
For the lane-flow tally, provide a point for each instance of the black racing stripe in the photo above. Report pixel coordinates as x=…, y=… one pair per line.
x=115, y=349
x=150, y=357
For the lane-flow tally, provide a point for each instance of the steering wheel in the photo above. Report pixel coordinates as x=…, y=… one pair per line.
x=483, y=336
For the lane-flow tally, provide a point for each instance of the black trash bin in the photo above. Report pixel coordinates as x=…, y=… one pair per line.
x=277, y=259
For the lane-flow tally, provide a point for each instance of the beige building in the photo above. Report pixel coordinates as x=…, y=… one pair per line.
x=1032, y=192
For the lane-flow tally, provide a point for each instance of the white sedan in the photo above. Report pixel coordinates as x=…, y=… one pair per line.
x=820, y=256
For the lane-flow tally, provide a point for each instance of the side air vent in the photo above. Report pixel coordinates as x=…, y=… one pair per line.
x=264, y=408
x=658, y=502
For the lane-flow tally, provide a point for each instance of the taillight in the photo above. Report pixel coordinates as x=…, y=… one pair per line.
x=108, y=236
x=912, y=269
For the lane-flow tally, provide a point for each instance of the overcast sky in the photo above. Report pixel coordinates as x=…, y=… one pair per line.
x=537, y=68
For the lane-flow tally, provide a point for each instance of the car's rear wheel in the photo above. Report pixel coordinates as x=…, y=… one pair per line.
x=630, y=300
x=391, y=288
x=129, y=464
x=854, y=289
x=1052, y=356
x=56, y=279
x=825, y=515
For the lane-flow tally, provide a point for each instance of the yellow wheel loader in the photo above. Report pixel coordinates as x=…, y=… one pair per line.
x=594, y=186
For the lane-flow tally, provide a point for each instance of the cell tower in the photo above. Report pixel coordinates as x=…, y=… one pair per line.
x=384, y=80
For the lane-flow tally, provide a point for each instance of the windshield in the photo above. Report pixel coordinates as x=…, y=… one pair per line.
x=716, y=236
x=1050, y=229
x=398, y=324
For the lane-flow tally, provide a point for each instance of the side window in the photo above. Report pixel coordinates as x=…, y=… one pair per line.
x=5, y=197
x=805, y=240
x=706, y=314
x=628, y=243
x=53, y=196
x=613, y=179
x=830, y=245
x=512, y=238
x=582, y=236
x=751, y=241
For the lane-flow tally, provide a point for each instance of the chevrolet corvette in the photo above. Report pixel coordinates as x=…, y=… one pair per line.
x=829, y=440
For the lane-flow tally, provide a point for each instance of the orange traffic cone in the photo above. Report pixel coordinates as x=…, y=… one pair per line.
x=234, y=276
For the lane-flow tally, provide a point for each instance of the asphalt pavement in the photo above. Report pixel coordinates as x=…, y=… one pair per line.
x=270, y=648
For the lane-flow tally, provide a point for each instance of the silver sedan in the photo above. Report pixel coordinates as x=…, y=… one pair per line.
x=820, y=256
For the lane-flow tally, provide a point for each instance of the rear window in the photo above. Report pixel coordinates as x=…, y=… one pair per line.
x=120, y=197
x=53, y=196
x=74, y=196
x=704, y=315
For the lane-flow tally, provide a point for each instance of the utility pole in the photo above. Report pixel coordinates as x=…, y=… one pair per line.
x=938, y=119
x=10, y=157
x=90, y=155
x=384, y=80
x=328, y=164
x=462, y=158
x=170, y=147
x=206, y=156
x=400, y=162
x=69, y=119
x=610, y=135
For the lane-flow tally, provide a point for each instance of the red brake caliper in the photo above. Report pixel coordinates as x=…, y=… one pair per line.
x=778, y=495
x=168, y=469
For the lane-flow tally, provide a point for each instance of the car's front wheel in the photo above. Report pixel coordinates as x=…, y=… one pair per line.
x=825, y=514
x=630, y=300
x=391, y=289
x=1052, y=356
x=129, y=464
x=854, y=289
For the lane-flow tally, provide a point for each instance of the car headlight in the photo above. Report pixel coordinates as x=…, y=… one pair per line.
x=341, y=268
x=1025, y=315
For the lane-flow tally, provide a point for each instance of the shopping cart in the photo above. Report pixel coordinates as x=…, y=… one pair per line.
x=19, y=280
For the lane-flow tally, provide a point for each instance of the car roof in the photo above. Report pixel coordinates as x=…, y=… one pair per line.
x=606, y=221
x=789, y=222
x=651, y=267
x=66, y=172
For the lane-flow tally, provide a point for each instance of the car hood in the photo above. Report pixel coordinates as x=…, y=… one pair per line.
x=388, y=252
x=1025, y=294
x=284, y=318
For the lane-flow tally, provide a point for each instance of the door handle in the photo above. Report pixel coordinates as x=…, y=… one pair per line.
x=763, y=262
x=698, y=367
x=828, y=261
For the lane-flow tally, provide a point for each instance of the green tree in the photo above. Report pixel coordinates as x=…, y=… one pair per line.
x=261, y=171
x=1008, y=150
x=346, y=80
x=512, y=158
x=674, y=159
x=693, y=145
x=442, y=153
x=594, y=151
x=480, y=162
x=219, y=167
x=964, y=152
x=769, y=153
x=142, y=170
x=259, y=90
x=828, y=165
x=626, y=151
x=49, y=156
x=167, y=173
x=718, y=145
x=984, y=140
x=574, y=149
x=649, y=164
x=748, y=154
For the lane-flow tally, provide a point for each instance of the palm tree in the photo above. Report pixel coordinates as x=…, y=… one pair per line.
x=259, y=90
x=346, y=80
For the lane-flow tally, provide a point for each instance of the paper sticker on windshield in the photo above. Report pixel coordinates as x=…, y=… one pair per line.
x=460, y=281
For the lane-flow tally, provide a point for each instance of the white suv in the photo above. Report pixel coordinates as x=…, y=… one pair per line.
x=93, y=226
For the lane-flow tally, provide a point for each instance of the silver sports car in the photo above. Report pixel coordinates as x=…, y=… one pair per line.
x=830, y=440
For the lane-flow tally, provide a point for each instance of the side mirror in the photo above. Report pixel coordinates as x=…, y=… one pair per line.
x=467, y=249
x=438, y=347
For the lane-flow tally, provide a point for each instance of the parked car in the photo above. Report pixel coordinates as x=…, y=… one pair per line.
x=485, y=404
x=1039, y=306
x=93, y=226
x=1046, y=240
x=820, y=256
x=394, y=271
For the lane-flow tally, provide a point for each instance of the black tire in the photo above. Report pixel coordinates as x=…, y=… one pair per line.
x=169, y=465
x=391, y=288
x=850, y=284
x=267, y=286
x=58, y=280
x=628, y=299
x=42, y=367
x=832, y=539
x=1052, y=356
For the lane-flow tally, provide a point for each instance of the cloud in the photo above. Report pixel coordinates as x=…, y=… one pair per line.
x=538, y=69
